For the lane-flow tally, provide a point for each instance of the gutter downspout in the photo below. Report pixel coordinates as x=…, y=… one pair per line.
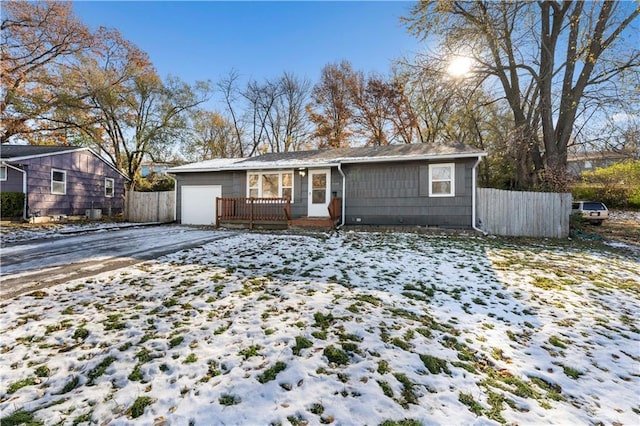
x=24, y=188
x=344, y=196
x=473, y=197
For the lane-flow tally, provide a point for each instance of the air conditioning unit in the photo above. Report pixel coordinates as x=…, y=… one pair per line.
x=93, y=214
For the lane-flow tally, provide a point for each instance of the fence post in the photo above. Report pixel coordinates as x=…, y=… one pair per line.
x=251, y=213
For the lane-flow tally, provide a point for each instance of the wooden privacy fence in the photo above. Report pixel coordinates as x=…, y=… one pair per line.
x=524, y=214
x=252, y=210
x=150, y=206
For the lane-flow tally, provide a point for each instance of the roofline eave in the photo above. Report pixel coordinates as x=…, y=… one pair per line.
x=329, y=163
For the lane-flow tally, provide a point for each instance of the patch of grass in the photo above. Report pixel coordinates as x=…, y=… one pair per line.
x=496, y=401
x=83, y=418
x=434, y=364
x=408, y=395
x=191, y=358
x=250, y=351
x=369, y=299
x=472, y=405
x=271, y=373
x=297, y=420
x=42, y=371
x=20, y=418
x=554, y=390
x=81, y=333
x=546, y=283
x=335, y=355
x=70, y=385
x=403, y=422
x=350, y=347
x=113, y=323
x=557, y=342
x=15, y=386
x=228, y=399
x=424, y=332
x=323, y=321
x=322, y=335
x=144, y=356
x=137, y=409
x=386, y=389
x=100, y=369
x=466, y=366
x=176, y=341
x=136, y=374
x=383, y=367
x=572, y=372
x=301, y=343
x=316, y=408
x=397, y=341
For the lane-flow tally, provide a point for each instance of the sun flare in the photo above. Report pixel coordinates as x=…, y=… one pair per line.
x=459, y=66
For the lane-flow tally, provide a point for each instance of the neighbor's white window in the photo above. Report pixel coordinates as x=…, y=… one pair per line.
x=108, y=187
x=3, y=172
x=270, y=185
x=442, y=181
x=58, y=182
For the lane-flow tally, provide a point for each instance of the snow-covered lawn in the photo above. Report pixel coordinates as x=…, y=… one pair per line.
x=360, y=328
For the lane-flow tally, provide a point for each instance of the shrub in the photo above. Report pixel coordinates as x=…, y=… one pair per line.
x=11, y=204
x=617, y=185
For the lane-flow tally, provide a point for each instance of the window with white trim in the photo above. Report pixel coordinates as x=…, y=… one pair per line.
x=442, y=182
x=3, y=172
x=109, y=186
x=58, y=182
x=270, y=185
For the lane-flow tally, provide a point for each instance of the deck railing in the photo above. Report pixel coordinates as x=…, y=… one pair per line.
x=252, y=209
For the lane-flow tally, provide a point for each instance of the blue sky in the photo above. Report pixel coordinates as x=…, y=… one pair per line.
x=206, y=39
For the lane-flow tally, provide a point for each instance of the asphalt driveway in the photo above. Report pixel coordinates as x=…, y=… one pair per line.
x=32, y=265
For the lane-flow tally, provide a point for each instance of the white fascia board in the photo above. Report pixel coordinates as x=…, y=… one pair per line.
x=410, y=158
x=322, y=164
x=29, y=157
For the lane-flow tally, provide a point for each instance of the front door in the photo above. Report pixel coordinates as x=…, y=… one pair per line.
x=319, y=192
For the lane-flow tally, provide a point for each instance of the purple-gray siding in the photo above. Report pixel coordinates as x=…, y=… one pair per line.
x=86, y=176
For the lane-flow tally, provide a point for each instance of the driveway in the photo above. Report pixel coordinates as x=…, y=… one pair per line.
x=33, y=265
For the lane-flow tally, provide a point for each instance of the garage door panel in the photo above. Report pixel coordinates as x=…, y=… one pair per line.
x=198, y=204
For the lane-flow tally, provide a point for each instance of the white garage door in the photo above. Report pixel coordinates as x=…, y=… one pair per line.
x=198, y=204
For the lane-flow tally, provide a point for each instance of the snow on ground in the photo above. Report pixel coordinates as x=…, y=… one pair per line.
x=352, y=329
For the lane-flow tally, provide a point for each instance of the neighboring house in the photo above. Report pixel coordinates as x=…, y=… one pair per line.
x=59, y=180
x=419, y=184
x=148, y=167
x=589, y=161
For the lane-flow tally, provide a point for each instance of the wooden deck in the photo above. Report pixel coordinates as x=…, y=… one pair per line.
x=271, y=213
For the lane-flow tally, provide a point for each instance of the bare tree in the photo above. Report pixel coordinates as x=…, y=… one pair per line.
x=228, y=86
x=212, y=136
x=288, y=126
x=546, y=57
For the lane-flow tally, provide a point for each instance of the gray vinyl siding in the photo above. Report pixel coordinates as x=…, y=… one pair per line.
x=233, y=185
x=397, y=194
x=13, y=182
x=85, y=187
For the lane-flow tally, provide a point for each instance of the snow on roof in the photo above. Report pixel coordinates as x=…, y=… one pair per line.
x=328, y=157
x=207, y=165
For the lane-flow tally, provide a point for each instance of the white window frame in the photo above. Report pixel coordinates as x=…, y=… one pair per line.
x=280, y=173
x=452, y=191
x=106, y=186
x=64, y=173
x=3, y=173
